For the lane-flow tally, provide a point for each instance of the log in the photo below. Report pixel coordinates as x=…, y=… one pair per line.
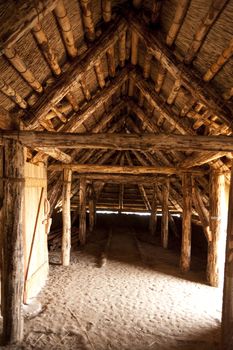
x=54, y=153
x=209, y=96
x=147, y=142
x=186, y=224
x=181, y=10
x=21, y=19
x=22, y=68
x=42, y=41
x=174, y=92
x=164, y=223
x=12, y=94
x=111, y=169
x=82, y=211
x=13, y=269
x=122, y=178
x=202, y=212
x=76, y=71
x=111, y=62
x=99, y=74
x=153, y=217
x=222, y=59
x=215, y=9
x=134, y=48
x=160, y=78
x=88, y=19
x=217, y=189
x=66, y=30
x=66, y=219
x=227, y=309
x=107, y=10
x=92, y=207
x=122, y=49
x=198, y=158
x=72, y=100
x=155, y=11
x=147, y=65
x=85, y=89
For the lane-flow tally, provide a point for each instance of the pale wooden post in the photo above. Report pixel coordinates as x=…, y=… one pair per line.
x=82, y=211
x=12, y=257
x=186, y=223
x=227, y=309
x=66, y=218
x=165, y=213
x=153, y=217
x=217, y=195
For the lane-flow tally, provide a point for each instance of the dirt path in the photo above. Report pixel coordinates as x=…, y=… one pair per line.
x=135, y=302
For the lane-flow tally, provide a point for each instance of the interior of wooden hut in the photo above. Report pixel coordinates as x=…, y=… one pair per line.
x=116, y=188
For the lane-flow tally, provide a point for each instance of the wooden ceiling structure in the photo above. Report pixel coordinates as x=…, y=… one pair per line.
x=132, y=97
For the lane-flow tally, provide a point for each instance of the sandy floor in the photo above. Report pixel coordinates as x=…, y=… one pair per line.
x=138, y=300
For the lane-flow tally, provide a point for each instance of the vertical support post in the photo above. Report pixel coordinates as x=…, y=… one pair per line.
x=66, y=218
x=186, y=223
x=164, y=224
x=217, y=196
x=227, y=309
x=12, y=258
x=92, y=207
x=82, y=211
x=153, y=217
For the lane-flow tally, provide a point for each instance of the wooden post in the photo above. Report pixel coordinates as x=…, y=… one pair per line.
x=227, y=310
x=217, y=229
x=153, y=217
x=186, y=223
x=82, y=211
x=92, y=207
x=164, y=225
x=13, y=271
x=66, y=233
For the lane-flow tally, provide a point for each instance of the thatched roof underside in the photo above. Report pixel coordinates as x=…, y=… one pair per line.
x=166, y=68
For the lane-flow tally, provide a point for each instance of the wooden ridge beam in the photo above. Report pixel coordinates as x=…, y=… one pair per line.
x=189, y=79
x=144, y=142
x=117, y=169
x=74, y=73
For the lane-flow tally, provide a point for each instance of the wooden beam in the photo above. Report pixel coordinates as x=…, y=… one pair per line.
x=91, y=206
x=56, y=154
x=153, y=217
x=181, y=10
x=146, y=142
x=227, y=309
x=198, y=158
x=107, y=10
x=189, y=78
x=217, y=190
x=75, y=72
x=77, y=119
x=88, y=19
x=122, y=178
x=110, y=169
x=17, y=21
x=148, y=91
x=13, y=273
x=164, y=223
x=10, y=92
x=205, y=24
x=66, y=232
x=186, y=224
x=82, y=210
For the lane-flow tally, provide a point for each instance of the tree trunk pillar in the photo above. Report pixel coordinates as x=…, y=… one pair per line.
x=165, y=214
x=186, y=223
x=227, y=310
x=82, y=210
x=153, y=217
x=92, y=207
x=12, y=250
x=217, y=226
x=66, y=217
